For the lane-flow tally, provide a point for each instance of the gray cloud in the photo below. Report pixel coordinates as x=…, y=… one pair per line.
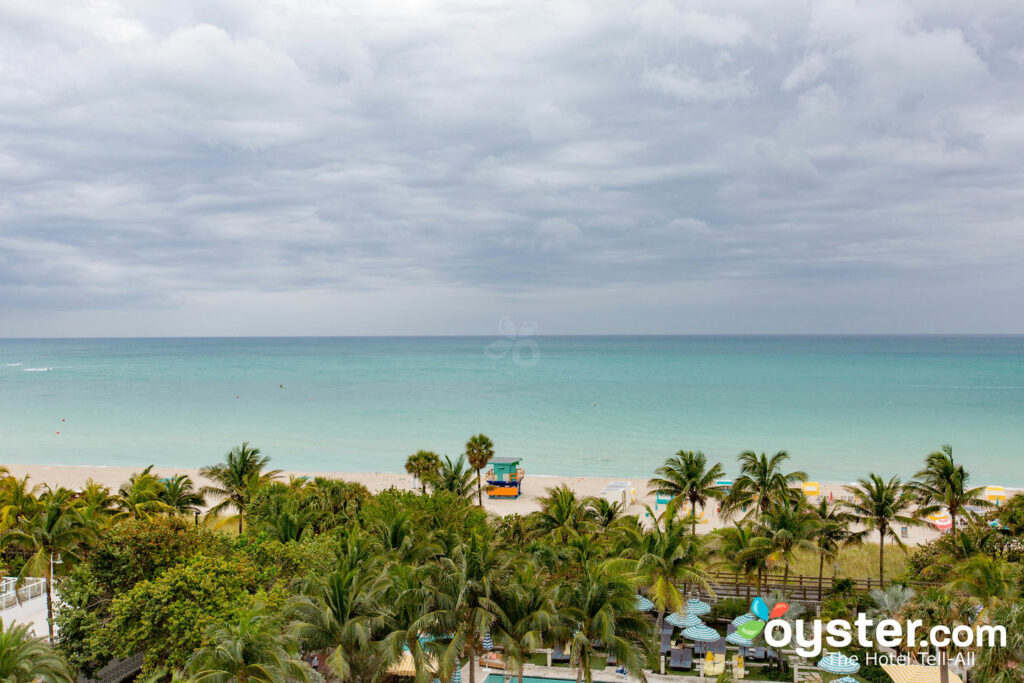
x=393, y=167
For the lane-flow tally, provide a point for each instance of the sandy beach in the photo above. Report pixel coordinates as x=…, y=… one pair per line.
x=534, y=486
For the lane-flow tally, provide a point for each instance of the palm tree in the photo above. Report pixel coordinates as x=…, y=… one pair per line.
x=890, y=602
x=664, y=557
x=95, y=503
x=876, y=505
x=526, y=617
x=236, y=479
x=181, y=495
x=599, y=607
x=832, y=533
x=454, y=477
x=783, y=531
x=25, y=659
x=937, y=607
x=479, y=451
x=141, y=496
x=762, y=483
x=468, y=585
x=735, y=548
x=688, y=477
x=336, y=612
x=54, y=534
x=250, y=648
x=943, y=483
x=605, y=513
x=424, y=466
x=18, y=501
x=562, y=515
x=988, y=580
x=1003, y=664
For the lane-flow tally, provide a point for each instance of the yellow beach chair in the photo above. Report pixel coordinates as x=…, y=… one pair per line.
x=995, y=494
x=811, y=489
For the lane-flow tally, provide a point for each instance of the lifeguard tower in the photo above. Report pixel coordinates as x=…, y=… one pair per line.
x=505, y=478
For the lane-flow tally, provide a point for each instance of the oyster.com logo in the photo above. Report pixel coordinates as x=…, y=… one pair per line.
x=759, y=608
x=515, y=343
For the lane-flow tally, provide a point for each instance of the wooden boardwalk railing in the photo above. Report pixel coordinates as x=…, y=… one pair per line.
x=800, y=587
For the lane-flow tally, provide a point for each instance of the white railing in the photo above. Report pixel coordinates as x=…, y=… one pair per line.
x=12, y=595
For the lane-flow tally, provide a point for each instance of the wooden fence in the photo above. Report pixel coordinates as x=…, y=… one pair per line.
x=800, y=587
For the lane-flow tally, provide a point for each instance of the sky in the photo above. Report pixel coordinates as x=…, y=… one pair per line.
x=229, y=167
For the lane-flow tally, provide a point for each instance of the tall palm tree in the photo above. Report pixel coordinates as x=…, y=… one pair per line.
x=878, y=504
x=599, y=607
x=783, y=531
x=250, y=648
x=605, y=513
x=454, y=477
x=890, y=602
x=236, y=479
x=18, y=500
x=688, y=477
x=479, y=451
x=181, y=495
x=664, y=557
x=762, y=483
x=95, y=503
x=943, y=483
x=832, y=533
x=424, y=466
x=26, y=659
x=469, y=581
x=526, y=617
x=337, y=613
x=54, y=535
x=988, y=580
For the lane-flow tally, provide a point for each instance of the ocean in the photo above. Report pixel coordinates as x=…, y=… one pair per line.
x=601, y=406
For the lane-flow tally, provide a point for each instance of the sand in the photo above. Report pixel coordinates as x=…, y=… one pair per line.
x=534, y=486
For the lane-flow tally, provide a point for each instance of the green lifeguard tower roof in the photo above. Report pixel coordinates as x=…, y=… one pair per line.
x=505, y=461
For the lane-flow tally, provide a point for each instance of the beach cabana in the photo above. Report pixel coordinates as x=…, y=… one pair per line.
x=697, y=607
x=505, y=478
x=811, y=489
x=683, y=621
x=995, y=494
x=916, y=673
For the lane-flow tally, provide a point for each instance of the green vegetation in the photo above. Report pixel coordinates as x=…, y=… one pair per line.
x=284, y=569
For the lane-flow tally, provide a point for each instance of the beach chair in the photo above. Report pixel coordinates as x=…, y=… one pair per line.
x=758, y=654
x=717, y=647
x=493, y=660
x=612, y=660
x=681, y=660
x=559, y=656
x=739, y=669
x=667, y=628
x=666, y=644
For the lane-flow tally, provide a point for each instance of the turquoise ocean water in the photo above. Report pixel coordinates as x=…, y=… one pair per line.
x=612, y=406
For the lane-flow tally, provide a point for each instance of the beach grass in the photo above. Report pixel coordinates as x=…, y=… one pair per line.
x=857, y=562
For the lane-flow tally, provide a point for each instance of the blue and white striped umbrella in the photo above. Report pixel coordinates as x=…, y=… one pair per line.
x=488, y=644
x=838, y=663
x=643, y=604
x=736, y=639
x=677, y=619
x=704, y=634
x=457, y=675
x=743, y=618
x=697, y=607
x=847, y=679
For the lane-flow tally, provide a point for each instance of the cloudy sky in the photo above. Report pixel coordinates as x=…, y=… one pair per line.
x=231, y=167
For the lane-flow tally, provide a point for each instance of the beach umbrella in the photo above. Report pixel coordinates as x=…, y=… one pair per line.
x=406, y=666
x=837, y=663
x=847, y=679
x=743, y=618
x=643, y=604
x=681, y=621
x=916, y=673
x=488, y=644
x=736, y=639
x=697, y=607
x=457, y=675
x=702, y=634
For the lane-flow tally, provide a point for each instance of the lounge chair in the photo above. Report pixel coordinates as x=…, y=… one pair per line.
x=681, y=660
x=666, y=643
x=493, y=660
x=612, y=661
x=558, y=656
x=758, y=654
x=718, y=647
x=667, y=628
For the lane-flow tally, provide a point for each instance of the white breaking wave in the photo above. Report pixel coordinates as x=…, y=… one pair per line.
x=13, y=365
x=37, y=369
